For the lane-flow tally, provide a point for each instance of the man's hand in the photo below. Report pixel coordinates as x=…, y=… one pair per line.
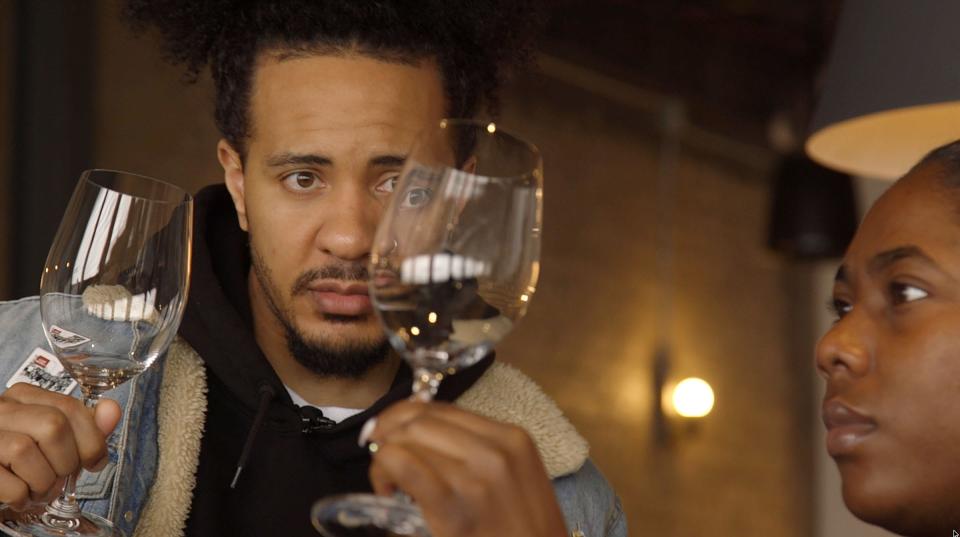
x=471, y=476
x=46, y=436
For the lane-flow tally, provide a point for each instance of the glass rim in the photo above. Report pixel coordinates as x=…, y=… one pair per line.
x=490, y=128
x=187, y=197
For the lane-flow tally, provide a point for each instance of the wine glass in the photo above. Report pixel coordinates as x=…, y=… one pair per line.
x=454, y=265
x=112, y=294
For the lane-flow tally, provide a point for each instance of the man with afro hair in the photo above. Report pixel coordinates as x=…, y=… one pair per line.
x=281, y=364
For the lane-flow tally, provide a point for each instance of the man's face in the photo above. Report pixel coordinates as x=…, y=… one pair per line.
x=892, y=361
x=328, y=139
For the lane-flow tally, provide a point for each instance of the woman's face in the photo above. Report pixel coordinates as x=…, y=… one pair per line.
x=892, y=361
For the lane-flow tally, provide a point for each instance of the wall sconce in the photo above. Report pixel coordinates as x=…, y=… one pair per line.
x=678, y=407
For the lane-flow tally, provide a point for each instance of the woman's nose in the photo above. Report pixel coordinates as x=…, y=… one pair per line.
x=845, y=348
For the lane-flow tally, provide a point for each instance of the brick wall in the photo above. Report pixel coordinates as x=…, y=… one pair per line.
x=590, y=334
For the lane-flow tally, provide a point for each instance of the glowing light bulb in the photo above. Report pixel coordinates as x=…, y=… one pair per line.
x=692, y=398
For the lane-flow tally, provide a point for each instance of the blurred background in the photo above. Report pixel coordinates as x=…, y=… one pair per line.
x=679, y=240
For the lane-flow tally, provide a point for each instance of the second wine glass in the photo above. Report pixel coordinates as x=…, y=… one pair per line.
x=454, y=265
x=112, y=294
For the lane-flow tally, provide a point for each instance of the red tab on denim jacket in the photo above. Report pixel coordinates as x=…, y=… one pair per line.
x=43, y=369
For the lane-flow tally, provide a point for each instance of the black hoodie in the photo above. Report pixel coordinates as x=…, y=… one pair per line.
x=287, y=469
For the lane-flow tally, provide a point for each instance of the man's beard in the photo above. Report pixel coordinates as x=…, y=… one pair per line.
x=351, y=361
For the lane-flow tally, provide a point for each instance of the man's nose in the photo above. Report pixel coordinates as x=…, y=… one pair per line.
x=846, y=348
x=348, y=224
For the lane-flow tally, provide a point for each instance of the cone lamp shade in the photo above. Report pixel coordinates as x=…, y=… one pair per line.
x=891, y=89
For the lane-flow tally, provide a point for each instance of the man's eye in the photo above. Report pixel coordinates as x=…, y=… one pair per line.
x=839, y=307
x=301, y=181
x=416, y=197
x=390, y=184
x=901, y=293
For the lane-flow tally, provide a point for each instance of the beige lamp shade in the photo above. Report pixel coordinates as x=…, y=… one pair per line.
x=887, y=144
x=891, y=90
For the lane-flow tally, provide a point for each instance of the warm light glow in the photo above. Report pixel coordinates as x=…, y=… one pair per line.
x=632, y=394
x=432, y=317
x=524, y=298
x=491, y=128
x=414, y=330
x=692, y=398
x=885, y=144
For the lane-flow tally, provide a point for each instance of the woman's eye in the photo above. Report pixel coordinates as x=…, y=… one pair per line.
x=839, y=307
x=901, y=293
x=416, y=197
x=301, y=181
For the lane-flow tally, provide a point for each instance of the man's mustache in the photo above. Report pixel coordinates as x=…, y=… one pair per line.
x=345, y=272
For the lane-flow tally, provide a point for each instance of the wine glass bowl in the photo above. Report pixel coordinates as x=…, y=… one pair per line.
x=116, y=279
x=456, y=257
x=454, y=265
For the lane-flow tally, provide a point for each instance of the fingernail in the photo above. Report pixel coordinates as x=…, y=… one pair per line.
x=366, y=431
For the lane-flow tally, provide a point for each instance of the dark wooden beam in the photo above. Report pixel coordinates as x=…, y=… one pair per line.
x=53, y=130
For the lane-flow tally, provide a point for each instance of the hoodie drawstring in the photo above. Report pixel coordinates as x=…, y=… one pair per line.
x=267, y=394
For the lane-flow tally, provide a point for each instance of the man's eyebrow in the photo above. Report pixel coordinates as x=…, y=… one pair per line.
x=388, y=160
x=286, y=159
x=884, y=259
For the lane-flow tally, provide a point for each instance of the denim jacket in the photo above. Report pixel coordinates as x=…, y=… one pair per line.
x=146, y=488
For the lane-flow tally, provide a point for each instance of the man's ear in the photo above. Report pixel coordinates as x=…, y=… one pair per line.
x=233, y=177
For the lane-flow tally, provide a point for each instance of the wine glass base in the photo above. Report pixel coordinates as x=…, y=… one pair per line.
x=29, y=523
x=366, y=515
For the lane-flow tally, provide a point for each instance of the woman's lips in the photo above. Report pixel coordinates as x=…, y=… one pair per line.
x=846, y=428
x=338, y=299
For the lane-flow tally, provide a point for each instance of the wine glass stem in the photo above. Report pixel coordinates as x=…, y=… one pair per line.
x=425, y=384
x=64, y=512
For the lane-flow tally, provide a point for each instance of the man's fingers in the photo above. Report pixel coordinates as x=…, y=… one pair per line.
x=54, y=491
x=445, y=490
x=402, y=413
x=509, y=458
x=21, y=455
x=498, y=453
x=107, y=415
x=436, y=433
x=470, y=475
x=481, y=443
x=87, y=434
x=414, y=472
x=47, y=428
x=13, y=490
